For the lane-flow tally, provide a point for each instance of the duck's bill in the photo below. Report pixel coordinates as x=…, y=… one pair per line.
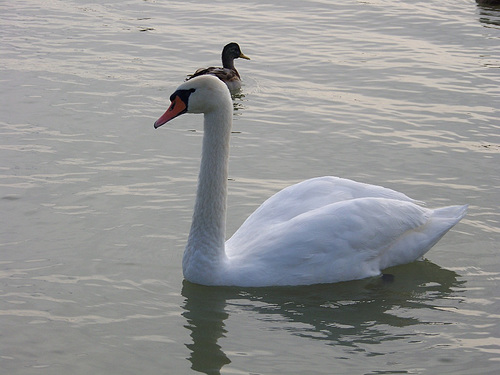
x=177, y=108
x=244, y=56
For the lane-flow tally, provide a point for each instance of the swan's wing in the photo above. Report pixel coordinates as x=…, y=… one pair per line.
x=347, y=240
x=310, y=195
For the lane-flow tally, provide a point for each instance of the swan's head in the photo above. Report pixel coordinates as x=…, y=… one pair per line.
x=202, y=94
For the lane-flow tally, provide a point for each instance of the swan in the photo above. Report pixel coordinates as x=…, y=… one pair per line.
x=228, y=73
x=321, y=230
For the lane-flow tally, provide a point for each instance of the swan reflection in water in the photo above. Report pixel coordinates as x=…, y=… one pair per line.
x=349, y=314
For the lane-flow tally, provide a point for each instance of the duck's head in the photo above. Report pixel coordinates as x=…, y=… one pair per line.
x=201, y=94
x=232, y=51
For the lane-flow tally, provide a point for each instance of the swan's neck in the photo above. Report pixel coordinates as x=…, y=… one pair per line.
x=205, y=248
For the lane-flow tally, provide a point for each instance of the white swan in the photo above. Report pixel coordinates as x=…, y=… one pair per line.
x=321, y=230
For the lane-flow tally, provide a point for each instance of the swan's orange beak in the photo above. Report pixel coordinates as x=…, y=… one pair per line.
x=177, y=108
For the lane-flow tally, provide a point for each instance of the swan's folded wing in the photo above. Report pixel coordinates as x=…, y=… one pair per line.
x=347, y=240
x=310, y=195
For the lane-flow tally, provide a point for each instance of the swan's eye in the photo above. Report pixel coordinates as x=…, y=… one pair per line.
x=182, y=94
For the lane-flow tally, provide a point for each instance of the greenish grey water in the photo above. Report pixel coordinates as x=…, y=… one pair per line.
x=96, y=205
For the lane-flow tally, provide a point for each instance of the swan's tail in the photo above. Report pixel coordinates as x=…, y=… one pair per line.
x=441, y=221
x=416, y=243
x=450, y=215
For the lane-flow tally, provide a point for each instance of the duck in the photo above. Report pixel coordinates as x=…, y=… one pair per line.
x=319, y=231
x=228, y=73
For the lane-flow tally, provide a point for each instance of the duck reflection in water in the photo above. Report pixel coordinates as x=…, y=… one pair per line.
x=488, y=2
x=346, y=315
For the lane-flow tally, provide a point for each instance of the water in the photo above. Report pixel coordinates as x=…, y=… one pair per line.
x=96, y=205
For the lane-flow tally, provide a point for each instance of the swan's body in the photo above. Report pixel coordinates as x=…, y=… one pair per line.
x=321, y=230
x=228, y=73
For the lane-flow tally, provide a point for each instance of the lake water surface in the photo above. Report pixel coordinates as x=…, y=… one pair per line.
x=95, y=205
